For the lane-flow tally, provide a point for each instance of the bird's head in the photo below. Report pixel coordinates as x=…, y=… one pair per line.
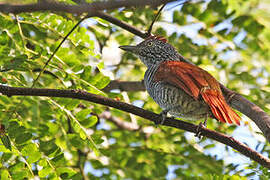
x=153, y=50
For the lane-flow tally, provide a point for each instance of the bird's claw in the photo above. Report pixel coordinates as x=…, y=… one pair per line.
x=164, y=116
x=229, y=96
x=199, y=129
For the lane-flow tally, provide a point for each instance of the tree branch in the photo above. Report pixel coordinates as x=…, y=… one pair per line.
x=83, y=95
x=254, y=112
x=125, y=86
x=121, y=24
x=78, y=9
x=238, y=102
x=235, y=100
x=55, y=51
x=120, y=123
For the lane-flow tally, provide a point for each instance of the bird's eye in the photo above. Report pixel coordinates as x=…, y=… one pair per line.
x=150, y=44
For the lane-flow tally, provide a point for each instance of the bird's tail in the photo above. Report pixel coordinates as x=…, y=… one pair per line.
x=219, y=107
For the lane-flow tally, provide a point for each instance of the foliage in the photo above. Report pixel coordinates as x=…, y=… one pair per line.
x=56, y=138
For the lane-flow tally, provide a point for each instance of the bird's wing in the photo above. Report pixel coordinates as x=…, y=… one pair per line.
x=197, y=82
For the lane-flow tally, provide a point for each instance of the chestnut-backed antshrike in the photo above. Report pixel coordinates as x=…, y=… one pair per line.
x=179, y=87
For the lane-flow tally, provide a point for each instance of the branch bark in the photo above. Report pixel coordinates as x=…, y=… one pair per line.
x=120, y=123
x=121, y=24
x=254, y=112
x=83, y=95
x=125, y=86
x=78, y=9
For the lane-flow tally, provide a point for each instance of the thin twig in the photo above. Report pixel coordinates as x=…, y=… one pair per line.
x=187, y=1
x=57, y=48
x=155, y=18
x=120, y=123
x=121, y=24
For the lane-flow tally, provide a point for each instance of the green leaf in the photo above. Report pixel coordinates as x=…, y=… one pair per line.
x=103, y=82
x=34, y=157
x=20, y=174
x=32, y=153
x=42, y=163
x=59, y=160
x=45, y=172
x=17, y=167
x=23, y=137
x=6, y=141
x=13, y=129
x=4, y=174
x=48, y=147
x=16, y=63
x=75, y=141
x=81, y=115
x=179, y=18
x=89, y=122
x=66, y=172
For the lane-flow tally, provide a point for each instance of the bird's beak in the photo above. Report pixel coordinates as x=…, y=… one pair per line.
x=132, y=49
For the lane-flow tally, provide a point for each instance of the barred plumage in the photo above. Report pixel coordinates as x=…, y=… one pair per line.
x=174, y=99
x=180, y=88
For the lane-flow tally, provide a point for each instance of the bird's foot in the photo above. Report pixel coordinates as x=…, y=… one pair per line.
x=163, y=114
x=229, y=96
x=199, y=128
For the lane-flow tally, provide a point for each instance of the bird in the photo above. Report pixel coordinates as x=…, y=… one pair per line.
x=179, y=87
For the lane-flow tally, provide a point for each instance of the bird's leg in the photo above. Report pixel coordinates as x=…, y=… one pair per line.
x=229, y=97
x=164, y=116
x=200, y=126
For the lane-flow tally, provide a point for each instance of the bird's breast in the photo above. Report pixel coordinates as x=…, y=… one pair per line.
x=179, y=103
